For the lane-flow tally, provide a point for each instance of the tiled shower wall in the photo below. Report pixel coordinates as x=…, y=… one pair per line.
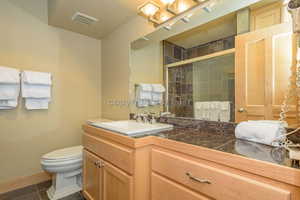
x=201, y=81
x=180, y=96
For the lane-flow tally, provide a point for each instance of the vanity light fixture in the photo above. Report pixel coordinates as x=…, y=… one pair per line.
x=167, y=27
x=166, y=2
x=209, y=7
x=149, y=8
x=162, y=11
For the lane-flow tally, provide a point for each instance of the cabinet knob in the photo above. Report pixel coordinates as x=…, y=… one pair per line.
x=102, y=164
x=97, y=163
x=241, y=110
x=197, y=179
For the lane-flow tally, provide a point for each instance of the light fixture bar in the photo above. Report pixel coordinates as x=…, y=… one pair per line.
x=154, y=12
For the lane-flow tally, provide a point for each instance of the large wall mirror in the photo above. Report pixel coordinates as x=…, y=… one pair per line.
x=232, y=68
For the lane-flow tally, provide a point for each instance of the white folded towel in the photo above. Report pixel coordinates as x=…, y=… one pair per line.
x=253, y=150
x=9, y=75
x=143, y=95
x=159, y=88
x=261, y=132
x=157, y=94
x=36, y=104
x=225, y=111
x=9, y=91
x=36, y=91
x=9, y=87
x=145, y=87
x=36, y=78
x=157, y=99
x=8, y=104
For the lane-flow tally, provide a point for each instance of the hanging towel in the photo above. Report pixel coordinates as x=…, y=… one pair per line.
x=214, y=111
x=8, y=104
x=9, y=75
x=36, y=78
x=261, y=132
x=9, y=91
x=143, y=95
x=36, y=89
x=9, y=87
x=36, y=104
x=159, y=88
x=157, y=94
x=225, y=111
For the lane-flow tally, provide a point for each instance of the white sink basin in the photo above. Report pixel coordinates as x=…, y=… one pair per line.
x=132, y=127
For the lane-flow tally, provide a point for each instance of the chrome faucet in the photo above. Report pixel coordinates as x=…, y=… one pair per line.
x=145, y=117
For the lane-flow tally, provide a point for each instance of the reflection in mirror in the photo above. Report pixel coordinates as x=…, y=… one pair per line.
x=200, y=71
x=235, y=68
x=197, y=88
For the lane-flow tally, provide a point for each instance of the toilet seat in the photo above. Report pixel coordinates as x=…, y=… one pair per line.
x=60, y=162
x=61, y=155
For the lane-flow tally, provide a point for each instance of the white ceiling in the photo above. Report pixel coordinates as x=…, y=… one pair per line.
x=111, y=14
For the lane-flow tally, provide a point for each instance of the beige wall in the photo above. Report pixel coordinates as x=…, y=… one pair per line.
x=115, y=67
x=28, y=43
x=146, y=66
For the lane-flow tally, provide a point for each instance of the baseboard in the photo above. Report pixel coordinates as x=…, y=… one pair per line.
x=24, y=182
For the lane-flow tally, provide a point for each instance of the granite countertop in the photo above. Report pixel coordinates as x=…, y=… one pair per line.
x=226, y=142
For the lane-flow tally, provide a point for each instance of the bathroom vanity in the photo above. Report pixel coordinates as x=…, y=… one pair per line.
x=185, y=163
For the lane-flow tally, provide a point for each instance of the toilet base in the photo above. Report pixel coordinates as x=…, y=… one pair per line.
x=64, y=185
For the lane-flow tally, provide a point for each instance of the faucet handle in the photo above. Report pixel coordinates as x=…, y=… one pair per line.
x=138, y=117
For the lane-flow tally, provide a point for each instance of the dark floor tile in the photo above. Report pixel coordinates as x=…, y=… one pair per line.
x=43, y=195
x=32, y=196
x=24, y=193
x=76, y=196
x=44, y=186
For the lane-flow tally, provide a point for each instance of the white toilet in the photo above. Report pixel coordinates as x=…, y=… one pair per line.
x=66, y=167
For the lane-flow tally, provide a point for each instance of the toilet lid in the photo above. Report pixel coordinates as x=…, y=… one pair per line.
x=67, y=153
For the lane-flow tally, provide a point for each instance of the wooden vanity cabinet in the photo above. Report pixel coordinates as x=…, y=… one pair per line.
x=92, y=176
x=117, y=167
x=209, y=182
x=103, y=181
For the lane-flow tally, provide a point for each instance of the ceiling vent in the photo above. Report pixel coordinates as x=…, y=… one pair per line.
x=84, y=19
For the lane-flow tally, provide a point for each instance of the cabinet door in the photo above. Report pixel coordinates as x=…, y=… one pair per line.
x=91, y=176
x=117, y=185
x=267, y=16
x=263, y=67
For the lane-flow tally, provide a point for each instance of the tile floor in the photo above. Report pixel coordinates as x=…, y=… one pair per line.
x=35, y=192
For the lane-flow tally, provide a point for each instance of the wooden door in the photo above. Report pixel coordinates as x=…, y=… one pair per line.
x=91, y=176
x=117, y=185
x=263, y=67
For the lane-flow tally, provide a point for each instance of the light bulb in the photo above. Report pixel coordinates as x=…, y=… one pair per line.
x=167, y=1
x=149, y=9
x=182, y=7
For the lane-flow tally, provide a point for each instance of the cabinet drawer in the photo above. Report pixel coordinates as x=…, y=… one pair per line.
x=118, y=155
x=217, y=183
x=164, y=189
